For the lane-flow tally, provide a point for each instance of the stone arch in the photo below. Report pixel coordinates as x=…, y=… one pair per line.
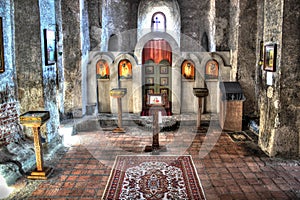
x=113, y=43
x=184, y=89
x=129, y=101
x=175, y=55
x=92, y=82
x=142, y=42
x=213, y=99
x=171, y=10
x=224, y=67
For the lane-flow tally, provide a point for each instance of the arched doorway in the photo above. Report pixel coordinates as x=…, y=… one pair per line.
x=157, y=72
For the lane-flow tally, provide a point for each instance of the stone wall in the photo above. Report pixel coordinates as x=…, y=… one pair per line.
x=10, y=129
x=289, y=110
x=76, y=46
x=28, y=55
x=36, y=81
x=222, y=21
x=49, y=72
x=246, y=61
x=95, y=23
x=119, y=16
x=195, y=24
x=22, y=84
x=72, y=53
x=8, y=87
x=279, y=116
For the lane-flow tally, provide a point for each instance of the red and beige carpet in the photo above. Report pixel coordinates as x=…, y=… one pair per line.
x=153, y=177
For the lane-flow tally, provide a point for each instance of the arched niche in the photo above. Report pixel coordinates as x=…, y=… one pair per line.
x=171, y=11
x=94, y=96
x=113, y=43
x=187, y=102
x=153, y=35
x=213, y=99
x=158, y=22
x=131, y=102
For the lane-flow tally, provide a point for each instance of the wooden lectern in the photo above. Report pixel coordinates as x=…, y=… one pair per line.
x=156, y=102
x=35, y=119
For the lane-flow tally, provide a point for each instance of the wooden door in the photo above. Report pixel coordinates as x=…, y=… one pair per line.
x=157, y=79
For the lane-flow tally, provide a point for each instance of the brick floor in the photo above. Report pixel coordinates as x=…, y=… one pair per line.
x=228, y=170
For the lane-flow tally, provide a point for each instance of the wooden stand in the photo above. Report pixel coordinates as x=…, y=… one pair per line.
x=200, y=93
x=155, y=148
x=199, y=129
x=118, y=93
x=119, y=129
x=29, y=120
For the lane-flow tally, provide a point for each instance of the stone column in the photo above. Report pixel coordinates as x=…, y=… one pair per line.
x=72, y=56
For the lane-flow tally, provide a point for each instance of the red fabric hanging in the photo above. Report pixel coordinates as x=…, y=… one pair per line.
x=157, y=50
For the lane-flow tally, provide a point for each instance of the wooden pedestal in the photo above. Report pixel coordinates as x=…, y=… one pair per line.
x=35, y=120
x=198, y=128
x=155, y=148
x=40, y=172
x=119, y=129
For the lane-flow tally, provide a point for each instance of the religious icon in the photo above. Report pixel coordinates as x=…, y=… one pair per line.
x=149, y=91
x=1, y=49
x=149, y=69
x=212, y=69
x=164, y=91
x=149, y=81
x=270, y=57
x=125, y=69
x=102, y=69
x=50, y=47
x=155, y=99
x=164, y=69
x=164, y=81
x=188, y=70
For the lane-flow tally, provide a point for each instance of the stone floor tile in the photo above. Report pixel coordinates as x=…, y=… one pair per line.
x=226, y=169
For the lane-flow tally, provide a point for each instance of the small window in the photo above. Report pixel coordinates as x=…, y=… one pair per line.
x=158, y=22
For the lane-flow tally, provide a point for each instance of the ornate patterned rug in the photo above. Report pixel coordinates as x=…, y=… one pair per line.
x=153, y=178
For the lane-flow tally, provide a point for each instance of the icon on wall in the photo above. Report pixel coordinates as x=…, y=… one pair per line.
x=1, y=48
x=155, y=100
x=149, y=81
x=188, y=70
x=149, y=91
x=164, y=69
x=212, y=69
x=125, y=69
x=149, y=70
x=50, y=47
x=270, y=52
x=102, y=69
x=164, y=81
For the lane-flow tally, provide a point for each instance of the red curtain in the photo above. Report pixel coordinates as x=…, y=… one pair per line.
x=157, y=50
